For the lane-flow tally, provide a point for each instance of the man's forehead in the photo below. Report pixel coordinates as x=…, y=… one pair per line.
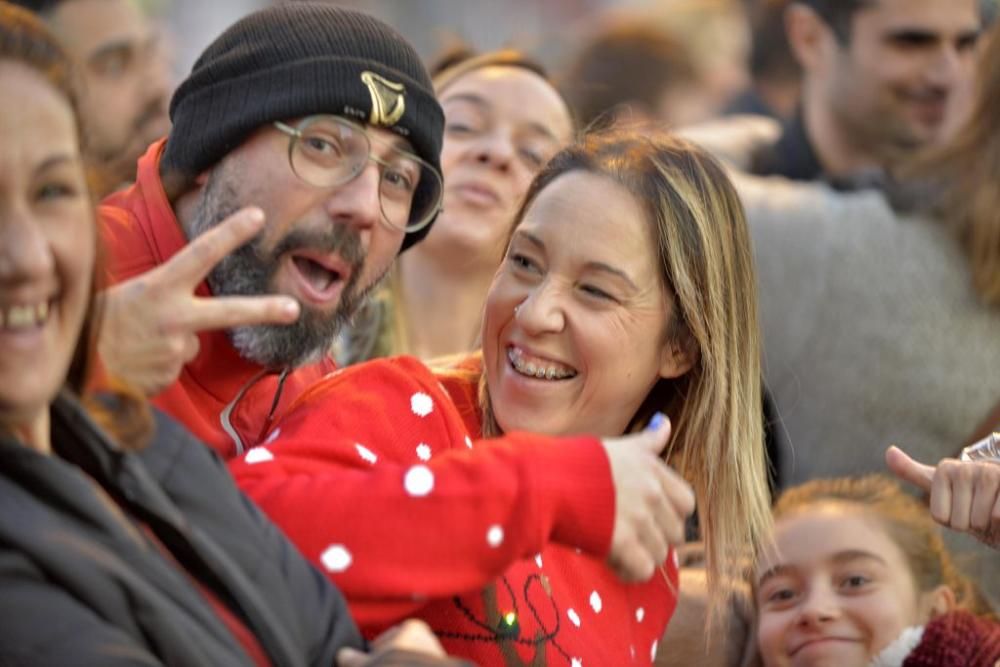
x=87, y=26
x=389, y=137
x=933, y=17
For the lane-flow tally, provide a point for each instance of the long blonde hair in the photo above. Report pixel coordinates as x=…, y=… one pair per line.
x=704, y=250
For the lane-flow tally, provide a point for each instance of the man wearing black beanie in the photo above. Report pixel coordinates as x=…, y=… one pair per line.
x=324, y=122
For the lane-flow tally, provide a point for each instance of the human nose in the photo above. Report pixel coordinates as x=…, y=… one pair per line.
x=949, y=66
x=24, y=250
x=542, y=310
x=357, y=202
x=818, y=607
x=496, y=149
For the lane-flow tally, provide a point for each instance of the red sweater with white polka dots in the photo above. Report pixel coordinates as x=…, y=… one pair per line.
x=378, y=474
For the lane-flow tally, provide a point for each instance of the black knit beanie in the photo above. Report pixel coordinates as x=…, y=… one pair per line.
x=299, y=59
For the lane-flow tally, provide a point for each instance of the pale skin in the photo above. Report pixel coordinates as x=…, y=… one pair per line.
x=964, y=495
x=651, y=503
x=501, y=124
x=410, y=636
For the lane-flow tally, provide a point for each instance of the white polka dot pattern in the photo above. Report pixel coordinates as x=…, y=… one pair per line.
x=538, y=560
x=576, y=662
x=652, y=651
x=274, y=436
x=421, y=404
x=423, y=452
x=640, y=614
x=365, y=453
x=419, y=481
x=573, y=616
x=494, y=536
x=259, y=455
x=468, y=442
x=596, y=603
x=336, y=558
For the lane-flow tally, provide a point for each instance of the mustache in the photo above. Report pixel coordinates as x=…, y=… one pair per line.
x=344, y=240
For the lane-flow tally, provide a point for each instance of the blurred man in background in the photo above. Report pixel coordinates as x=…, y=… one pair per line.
x=880, y=78
x=124, y=75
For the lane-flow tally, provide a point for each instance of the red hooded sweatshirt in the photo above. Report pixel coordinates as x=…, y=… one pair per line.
x=224, y=399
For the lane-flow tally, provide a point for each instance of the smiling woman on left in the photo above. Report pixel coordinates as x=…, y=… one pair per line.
x=47, y=236
x=124, y=543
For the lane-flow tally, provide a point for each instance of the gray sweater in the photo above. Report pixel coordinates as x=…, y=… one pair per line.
x=872, y=333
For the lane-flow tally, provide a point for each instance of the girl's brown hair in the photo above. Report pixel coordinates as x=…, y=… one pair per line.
x=907, y=522
x=26, y=41
x=704, y=252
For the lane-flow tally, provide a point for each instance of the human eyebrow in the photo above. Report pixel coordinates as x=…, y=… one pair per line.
x=772, y=572
x=857, y=554
x=607, y=268
x=528, y=236
x=912, y=37
x=53, y=161
x=471, y=98
x=968, y=39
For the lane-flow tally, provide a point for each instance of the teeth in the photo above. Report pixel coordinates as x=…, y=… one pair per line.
x=24, y=316
x=532, y=369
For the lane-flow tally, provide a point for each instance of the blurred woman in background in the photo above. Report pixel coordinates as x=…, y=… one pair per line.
x=503, y=120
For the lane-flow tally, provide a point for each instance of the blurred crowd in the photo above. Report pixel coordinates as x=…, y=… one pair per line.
x=656, y=333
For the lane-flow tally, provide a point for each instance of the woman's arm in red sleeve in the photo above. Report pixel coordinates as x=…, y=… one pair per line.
x=394, y=525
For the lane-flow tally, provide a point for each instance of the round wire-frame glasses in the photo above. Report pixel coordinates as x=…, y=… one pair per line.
x=329, y=151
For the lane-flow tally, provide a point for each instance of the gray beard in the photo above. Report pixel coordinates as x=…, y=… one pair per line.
x=249, y=271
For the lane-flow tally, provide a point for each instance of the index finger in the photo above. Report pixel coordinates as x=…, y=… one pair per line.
x=190, y=266
x=909, y=470
x=225, y=312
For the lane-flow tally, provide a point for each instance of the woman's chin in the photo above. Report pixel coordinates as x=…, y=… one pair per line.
x=466, y=238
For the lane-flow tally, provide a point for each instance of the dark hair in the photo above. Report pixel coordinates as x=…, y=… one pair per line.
x=24, y=39
x=771, y=55
x=907, y=522
x=626, y=63
x=838, y=14
x=38, y=6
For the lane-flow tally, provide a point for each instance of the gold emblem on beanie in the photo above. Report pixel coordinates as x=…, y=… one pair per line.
x=388, y=101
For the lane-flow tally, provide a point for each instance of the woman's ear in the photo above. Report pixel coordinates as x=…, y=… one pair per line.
x=677, y=357
x=939, y=601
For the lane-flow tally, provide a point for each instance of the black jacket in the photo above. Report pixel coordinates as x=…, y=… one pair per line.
x=80, y=585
